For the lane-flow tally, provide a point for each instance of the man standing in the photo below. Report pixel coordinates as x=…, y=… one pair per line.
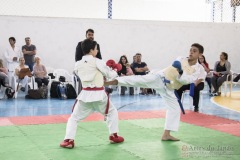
x=79, y=52
x=12, y=55
x=29, y=51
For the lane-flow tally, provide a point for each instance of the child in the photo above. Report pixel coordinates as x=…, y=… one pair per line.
x=92, y=98
x=185, y=72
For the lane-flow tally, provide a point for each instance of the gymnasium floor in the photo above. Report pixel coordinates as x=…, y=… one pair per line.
x=33, y=129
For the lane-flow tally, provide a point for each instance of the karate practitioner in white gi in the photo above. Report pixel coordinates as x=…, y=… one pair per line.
x=93, y=97
x=183, y=71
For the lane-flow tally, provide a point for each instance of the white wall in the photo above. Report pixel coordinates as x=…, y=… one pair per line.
x=159, y=42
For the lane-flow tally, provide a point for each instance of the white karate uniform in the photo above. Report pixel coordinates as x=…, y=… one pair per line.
x=11, y=65
x=155, y=81
x=91, y=71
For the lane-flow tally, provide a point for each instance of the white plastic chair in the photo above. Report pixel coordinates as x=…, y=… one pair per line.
x=2, y=92
x=186, y=92
x=226, y=83
x=63, y=72
x=234, y=74
x=16, y=85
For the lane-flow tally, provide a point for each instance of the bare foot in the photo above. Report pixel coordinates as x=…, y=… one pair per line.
x=169, y=138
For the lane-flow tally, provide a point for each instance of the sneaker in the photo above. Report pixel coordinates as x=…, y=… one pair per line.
x=67, y=144
x=115, y=138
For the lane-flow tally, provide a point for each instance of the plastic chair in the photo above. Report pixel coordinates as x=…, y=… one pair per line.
x=16, y=85
x=226, y=83
x=2, y=91
x=186, y=92
x=63, y=72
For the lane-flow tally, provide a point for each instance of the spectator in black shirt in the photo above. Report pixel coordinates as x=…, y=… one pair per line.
x=140, y=68
x=79, y=52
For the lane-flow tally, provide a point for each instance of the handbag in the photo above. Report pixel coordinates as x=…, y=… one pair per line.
x=24, y=72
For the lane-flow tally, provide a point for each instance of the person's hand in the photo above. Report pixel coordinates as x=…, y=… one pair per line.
x=203, y=65
x=14, y=58
x=177, y=65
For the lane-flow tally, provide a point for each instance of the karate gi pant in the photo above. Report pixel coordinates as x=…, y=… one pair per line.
x=154, y=81
x=83, y=109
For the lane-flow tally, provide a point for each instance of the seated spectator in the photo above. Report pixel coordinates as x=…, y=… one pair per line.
x=4, y=81
x=140, y=68
x=125, y=71
x=220, y=72
x=134, y=61
x=26, y=79
x=203, y=62
x=40, y=73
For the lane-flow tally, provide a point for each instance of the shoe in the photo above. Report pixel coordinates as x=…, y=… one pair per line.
x=22, y=89
x=196, y=109
x=67, y=144
x=115, y=138
x=214, y=94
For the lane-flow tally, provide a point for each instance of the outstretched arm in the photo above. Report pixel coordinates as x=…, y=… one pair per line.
x=113, y=82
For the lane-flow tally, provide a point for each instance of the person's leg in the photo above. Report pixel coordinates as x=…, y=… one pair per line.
x=182, y=89
x=208, y=80
x=81, y=111
x=131, y=90
x=38, y=81
x=155, y=81
x=112, y=119
x=172, y=119
x=24, y=83
x=220, y=81
x=123, y=88
x=45, y=81
x=30, y=65
x=197, y=90
x=214, y=83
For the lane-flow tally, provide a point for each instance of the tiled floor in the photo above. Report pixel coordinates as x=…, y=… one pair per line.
x=28, y=107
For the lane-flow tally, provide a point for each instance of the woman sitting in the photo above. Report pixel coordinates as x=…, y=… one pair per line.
x=40, y=73
x=4, y=81
x=23, y=77
x=125, y=71
x=220, y=73
x=203, y=62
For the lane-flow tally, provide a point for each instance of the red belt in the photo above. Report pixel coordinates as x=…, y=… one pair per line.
x=93, y=89
x=96, y=89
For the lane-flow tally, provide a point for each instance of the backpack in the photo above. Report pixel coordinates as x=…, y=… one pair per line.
x=236, y=79
x=43, y=91
x=9, y=92
x=53, y=89
x=61, y=91
x=70, y=92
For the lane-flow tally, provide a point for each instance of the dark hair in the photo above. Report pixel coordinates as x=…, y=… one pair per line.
x=12, y=38
x=139, y=54
x=199, y=46
x=225, y=55
x=90, y=30
x=87, y=45
x=204, y=59
x=120, y=60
